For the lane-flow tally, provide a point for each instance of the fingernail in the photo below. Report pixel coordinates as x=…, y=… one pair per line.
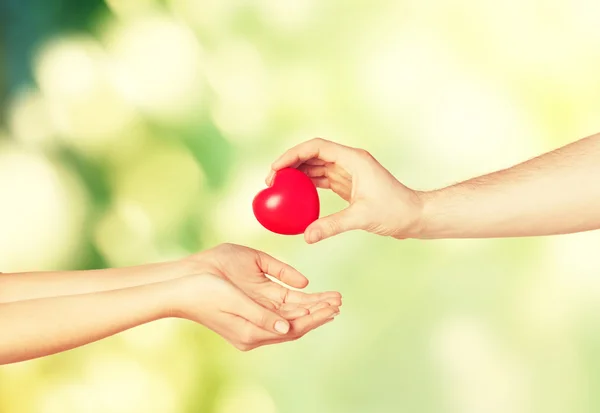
x=282, y=327
x=314, y=235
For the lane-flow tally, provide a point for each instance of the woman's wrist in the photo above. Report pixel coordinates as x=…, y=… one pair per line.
x=160, y=299
x=180, y=294
x=194, y=264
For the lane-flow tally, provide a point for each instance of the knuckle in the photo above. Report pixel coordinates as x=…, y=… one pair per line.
x=319, y=143
x=364, y=154
x=332, y=226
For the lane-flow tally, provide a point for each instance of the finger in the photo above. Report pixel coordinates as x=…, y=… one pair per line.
x=331, y=171
x=247, y=336
x=309, y=162
x=313, y=171
x=289, y=306
x=295, y=313
x=293, y=306
x=299, y=327
x=331, y=225
x=342, y=188
x=330, y=176
x=258, y=315
x=281, y=271
x=269, y=178
x=321, y=183
x=315, y=161
x=317, y=307
x=335, y=301
x=315, y=148
x=342, y=172
x=298, y=297
x=309, y=322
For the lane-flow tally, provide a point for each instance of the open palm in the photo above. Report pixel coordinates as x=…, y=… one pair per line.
x=247, y=269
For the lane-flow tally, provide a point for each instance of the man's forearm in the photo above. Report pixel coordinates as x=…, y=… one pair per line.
x=36, y=328
x=31, y=285
x=556, y=193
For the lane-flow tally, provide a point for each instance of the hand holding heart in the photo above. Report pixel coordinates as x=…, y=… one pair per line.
x=378, y=202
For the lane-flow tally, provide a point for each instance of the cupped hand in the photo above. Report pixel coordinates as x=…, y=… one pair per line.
x=216, y=303
x=247, y=269
x=378, y=202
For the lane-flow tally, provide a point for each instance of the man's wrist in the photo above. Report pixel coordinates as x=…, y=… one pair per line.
x=419, y=223
x=430, y=224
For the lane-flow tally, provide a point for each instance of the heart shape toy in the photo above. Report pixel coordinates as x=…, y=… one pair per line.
x=290, y=205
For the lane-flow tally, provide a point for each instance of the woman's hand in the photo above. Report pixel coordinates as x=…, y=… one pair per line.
x=246, y=268
x=219, y=305
x=379, y=203
x=232, y=297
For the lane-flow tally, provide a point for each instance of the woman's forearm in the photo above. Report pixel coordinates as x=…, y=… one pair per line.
x=32, y=285
x=35, y=328
x=556, y=193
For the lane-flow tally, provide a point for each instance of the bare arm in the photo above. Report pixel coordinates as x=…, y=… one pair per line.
x=555, y=193
x=227, y=291
x=45, y=326
x=31, y=285
x=36, y=328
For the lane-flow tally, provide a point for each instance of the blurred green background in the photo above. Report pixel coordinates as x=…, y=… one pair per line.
x=135, y=131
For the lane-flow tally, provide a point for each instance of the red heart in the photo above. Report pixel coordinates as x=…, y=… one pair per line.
x=290, y=205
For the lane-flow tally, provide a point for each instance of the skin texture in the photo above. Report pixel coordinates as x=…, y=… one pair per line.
x=225, y=289
x=555, y=193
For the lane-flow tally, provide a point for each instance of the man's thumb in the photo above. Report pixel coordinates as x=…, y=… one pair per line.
x=330, y=225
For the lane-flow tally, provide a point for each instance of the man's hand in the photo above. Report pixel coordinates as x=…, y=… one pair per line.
x=554, y=193
x=378, y=203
